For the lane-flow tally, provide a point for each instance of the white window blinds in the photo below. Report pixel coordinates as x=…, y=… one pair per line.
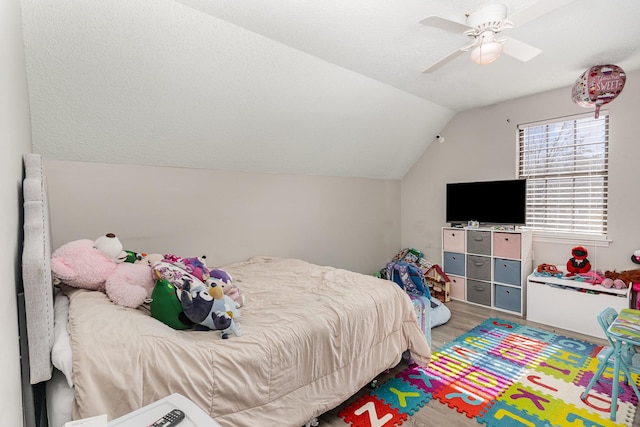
x=565, y=163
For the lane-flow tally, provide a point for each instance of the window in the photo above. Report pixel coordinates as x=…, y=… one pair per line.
x=565, y=162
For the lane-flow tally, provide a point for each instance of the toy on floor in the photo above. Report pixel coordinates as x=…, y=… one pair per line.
x=408, y=276
x=417, y=273
x=635, y=257
x=438, y=282
x=579, y=262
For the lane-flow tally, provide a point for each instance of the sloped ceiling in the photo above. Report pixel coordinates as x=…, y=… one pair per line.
x=292, y=86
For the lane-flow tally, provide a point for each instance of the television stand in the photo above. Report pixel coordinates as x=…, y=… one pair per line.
x=488, y=267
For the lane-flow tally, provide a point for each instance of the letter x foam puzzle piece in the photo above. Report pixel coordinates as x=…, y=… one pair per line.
x=402, y=396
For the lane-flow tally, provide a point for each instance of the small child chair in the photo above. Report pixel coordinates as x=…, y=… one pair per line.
x=606, y=357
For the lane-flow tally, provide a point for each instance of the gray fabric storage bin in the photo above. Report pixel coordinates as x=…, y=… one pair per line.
x=508, y=298
x=454, y=263
x=479, y=267
x=479, y=242
x=479, y=292
x=507, y=271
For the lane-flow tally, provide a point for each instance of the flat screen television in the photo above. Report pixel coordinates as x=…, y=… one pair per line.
x=488, y=202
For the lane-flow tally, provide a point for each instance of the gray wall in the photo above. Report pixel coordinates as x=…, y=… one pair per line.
x=15, y=139
x=229, y=216
x=480, y=144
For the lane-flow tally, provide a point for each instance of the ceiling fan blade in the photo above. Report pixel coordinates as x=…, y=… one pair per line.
x=445, y=24
x=536, y=10
x=453, y=55
x=519, y=50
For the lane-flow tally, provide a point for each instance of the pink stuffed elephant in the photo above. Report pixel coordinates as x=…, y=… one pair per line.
x=81, y=264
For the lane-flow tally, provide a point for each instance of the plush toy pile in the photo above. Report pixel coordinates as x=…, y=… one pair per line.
x=579, y=268
x=182, y=292
x=201, y=293
x=622, y=279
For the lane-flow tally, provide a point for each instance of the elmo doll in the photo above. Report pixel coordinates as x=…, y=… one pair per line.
x=579, y=263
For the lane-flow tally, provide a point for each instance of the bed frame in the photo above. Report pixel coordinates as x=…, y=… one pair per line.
x=35, y=297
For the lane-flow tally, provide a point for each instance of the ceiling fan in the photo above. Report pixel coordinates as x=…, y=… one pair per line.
x=484, y=25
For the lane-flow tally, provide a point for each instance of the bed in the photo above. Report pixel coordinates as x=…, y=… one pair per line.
x=312, y=337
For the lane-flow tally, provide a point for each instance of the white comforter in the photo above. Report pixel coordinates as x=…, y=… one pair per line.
x=312, y=337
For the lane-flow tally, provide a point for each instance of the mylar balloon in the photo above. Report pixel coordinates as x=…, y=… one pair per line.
x=598, y=85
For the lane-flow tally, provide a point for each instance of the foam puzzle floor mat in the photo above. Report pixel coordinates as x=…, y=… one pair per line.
x=502, y=374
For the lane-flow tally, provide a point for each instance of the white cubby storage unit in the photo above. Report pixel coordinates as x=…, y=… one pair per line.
x=488, y=267
x=570, y=304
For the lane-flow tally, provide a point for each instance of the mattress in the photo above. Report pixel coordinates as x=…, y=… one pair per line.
x=312, y=337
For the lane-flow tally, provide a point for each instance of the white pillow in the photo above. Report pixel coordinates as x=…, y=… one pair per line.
x=61, y=355
x=59, y=400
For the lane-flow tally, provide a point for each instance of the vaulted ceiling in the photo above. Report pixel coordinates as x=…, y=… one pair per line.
x=332, y=87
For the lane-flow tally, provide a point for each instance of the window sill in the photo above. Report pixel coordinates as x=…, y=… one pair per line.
x=571, y=238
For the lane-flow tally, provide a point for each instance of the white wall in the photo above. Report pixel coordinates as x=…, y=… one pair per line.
x=350, y=223
x=172, y=86
x=480, y=144
x=15, y=139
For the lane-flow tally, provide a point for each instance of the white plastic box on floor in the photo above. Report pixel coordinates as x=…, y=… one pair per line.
x=570, y=304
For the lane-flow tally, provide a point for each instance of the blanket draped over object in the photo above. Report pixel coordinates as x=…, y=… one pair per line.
x=312, y=337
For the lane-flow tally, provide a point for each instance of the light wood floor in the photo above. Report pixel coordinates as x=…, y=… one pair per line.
x=463, y=318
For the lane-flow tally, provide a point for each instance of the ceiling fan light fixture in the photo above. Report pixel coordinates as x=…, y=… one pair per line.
x=486, y=53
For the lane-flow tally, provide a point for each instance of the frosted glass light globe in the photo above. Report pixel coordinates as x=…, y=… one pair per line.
x=486, y=53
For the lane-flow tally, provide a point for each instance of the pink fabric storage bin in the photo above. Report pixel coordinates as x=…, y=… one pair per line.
x=506, y=245
x=458, y=285
x=453, y=240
